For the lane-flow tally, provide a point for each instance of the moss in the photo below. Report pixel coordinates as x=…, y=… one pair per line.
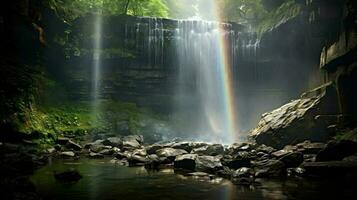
x=280, y=15
x=347, y=135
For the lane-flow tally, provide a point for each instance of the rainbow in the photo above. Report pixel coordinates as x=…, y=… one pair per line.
x=227, y=81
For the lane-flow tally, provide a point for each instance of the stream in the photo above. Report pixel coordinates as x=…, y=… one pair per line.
x=104, y=180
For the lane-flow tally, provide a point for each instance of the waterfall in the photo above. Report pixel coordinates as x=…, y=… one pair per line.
x=200, y=97
x=96, y=68
x=199, y=60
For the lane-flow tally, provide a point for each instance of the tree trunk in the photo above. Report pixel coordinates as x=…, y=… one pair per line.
x=126, y=7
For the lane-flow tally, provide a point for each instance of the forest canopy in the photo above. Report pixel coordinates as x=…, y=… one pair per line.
x=260, y=14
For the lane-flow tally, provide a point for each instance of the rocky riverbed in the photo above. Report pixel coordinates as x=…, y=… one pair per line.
x=240, y=163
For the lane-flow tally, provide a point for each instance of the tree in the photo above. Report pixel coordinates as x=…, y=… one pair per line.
x=71, y=9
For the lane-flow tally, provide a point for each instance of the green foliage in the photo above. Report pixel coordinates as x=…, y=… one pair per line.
x=242, y=11
x=285, y=12
x=72, y=9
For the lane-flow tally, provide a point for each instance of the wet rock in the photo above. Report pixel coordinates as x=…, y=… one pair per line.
x=137, y=160
x=209, y=164
x=243, y=176
x=140, y=152
x=151, y=149
x=241, y=160
x=123, y=155
x=138, y=138
x=155, y=162
x=107, y=152
x=270, y=168
x=209, y=150
x=293, y=159
x=72, y=145
x=131, y=142
x=98, y=148
x=265, y=149
x=62, y=140
x=68, y=176
x=283, y=152
x=170, y=152
x=352, y=158
x=309, y=157
x=51, y=150
x=298, y=171
x=330, y=168
x=182, y=145
x=95, y=155
x=225, y=172
x=186, y=161
x=308, y=147
x=67, y=154
x=296, y=121
x=113, y=141
x=97, y=142
x=337, y=150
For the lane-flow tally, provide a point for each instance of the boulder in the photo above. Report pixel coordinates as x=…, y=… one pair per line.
x=337, y=150
x=293, y=159
x=62, y=140
x=241, y=160
x=283, y=152
x=151, y=149
x=265, y=149
x=98, y=148
x=182, y=145
x=95, y=155
x=243, y=176
x=138, y=138
x=137, y=160
x=270, y=168
x=209, y=164
x=67, y=154
x=186, y=161
x=123, y=155
x=72, y=145
x=131, y=144
x=209, y=150
x=113, y=141
x=170, y=152
x=107, y=152
x=140, y=152
x=308, y=147
x=225, y=172
x=298, y=120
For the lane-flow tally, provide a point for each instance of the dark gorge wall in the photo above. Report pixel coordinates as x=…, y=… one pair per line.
x=285, y=61
x=139, y=59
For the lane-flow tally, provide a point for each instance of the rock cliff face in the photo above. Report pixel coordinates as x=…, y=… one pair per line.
x=285, y=62
x=317, y=114
x=338, y=59
x=138, y=59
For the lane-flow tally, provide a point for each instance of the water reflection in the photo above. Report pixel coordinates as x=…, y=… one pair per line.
x=103, y=180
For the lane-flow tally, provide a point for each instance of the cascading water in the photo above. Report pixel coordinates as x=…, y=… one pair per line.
x=201, y=59
x=96, y=72
x=200, y=97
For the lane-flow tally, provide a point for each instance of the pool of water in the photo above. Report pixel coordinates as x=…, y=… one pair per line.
x=104, y=180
